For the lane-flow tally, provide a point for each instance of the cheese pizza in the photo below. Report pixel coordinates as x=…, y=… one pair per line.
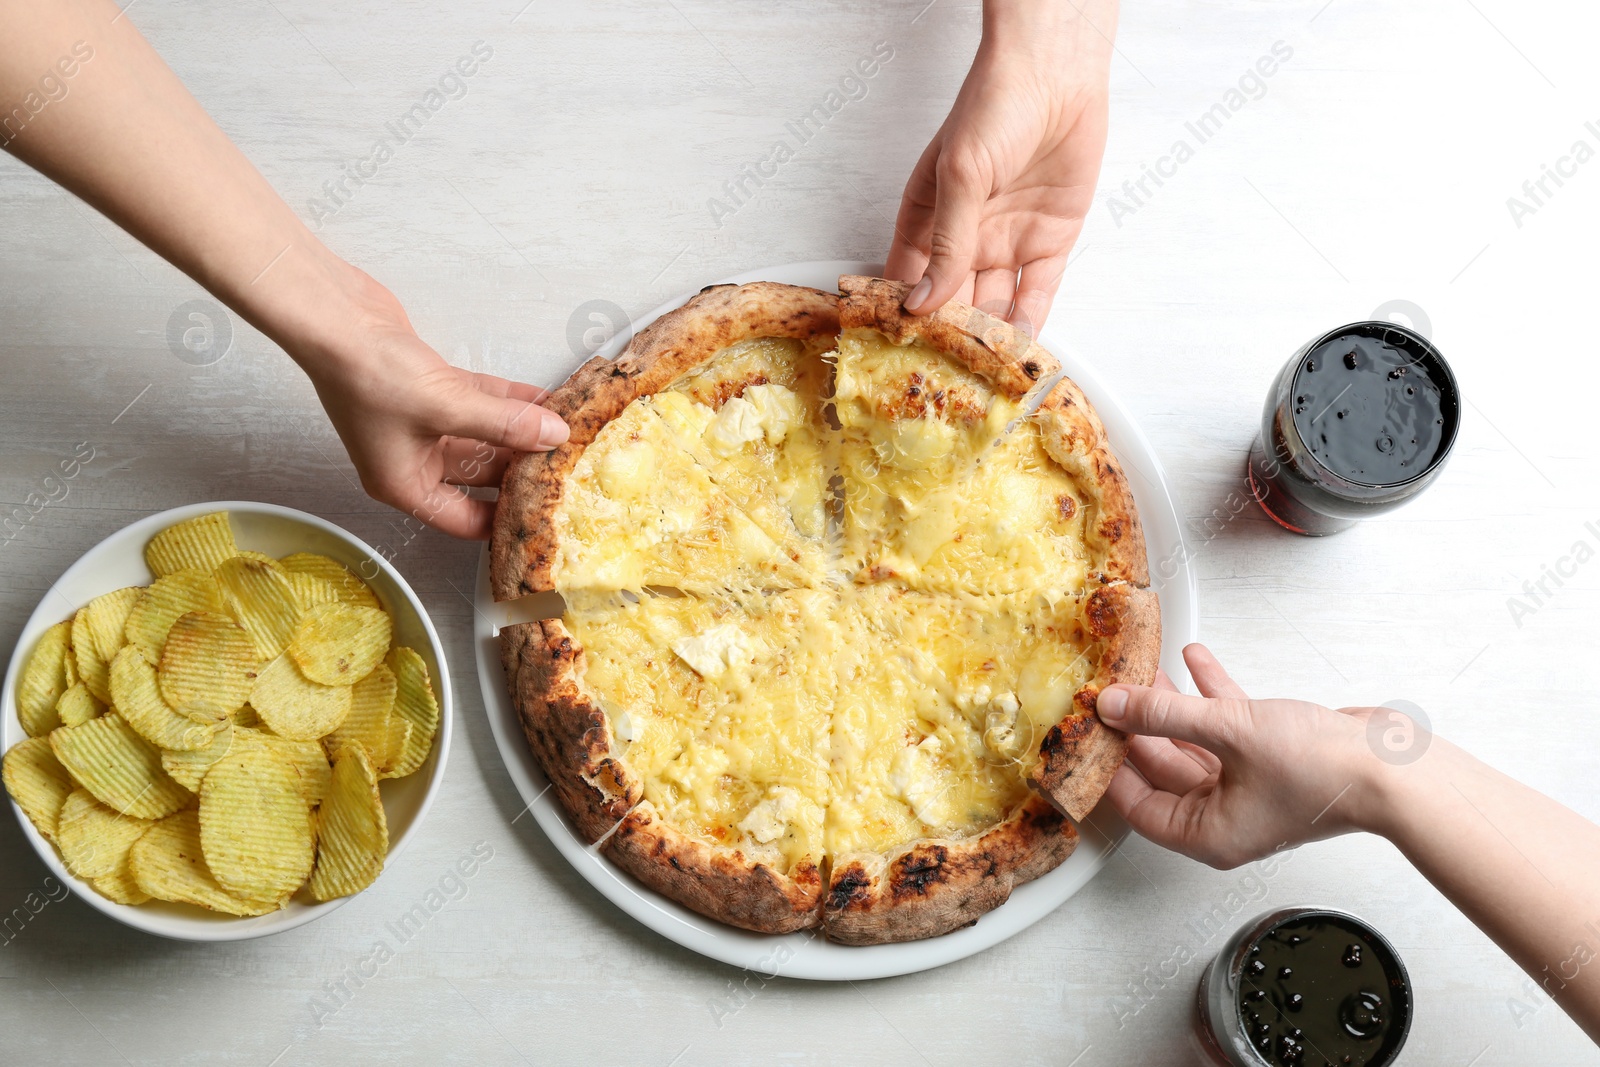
x=841, y=586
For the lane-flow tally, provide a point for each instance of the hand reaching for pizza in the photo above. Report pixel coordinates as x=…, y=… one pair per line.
x=998, y=198
x=417, y=428
x=1225, y=779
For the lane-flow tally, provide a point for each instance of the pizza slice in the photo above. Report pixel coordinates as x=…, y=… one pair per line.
x=707, y=737
x=963, y=731
x=623, y=504
x=919, y=402
x=753, y=418
x=1048, y=508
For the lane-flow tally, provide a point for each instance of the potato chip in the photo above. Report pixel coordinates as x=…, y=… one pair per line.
x=368, y=724
x=202, y=542
x=307, y=758
x=77, y=706
x=94, y=840
x=311, y=591
x=97, y=631
x=256, y=592
x=137, y=697
x=38, y=783
x=43, y=681
x=350, y=589
x=255, y=825
x=206, y=667
x=337, y=644
x=415, y=702
x=168, y=864
x=352, y=832
x=400, y=731
x=69, y=666
x=108, y=758
x=159, y=606
x=119, y=886
x=293, y=706
x=259, y=557
x=188, y=768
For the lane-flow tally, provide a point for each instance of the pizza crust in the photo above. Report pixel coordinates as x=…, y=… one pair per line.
x=568, y=733
x=1079, y=754
x=1004, y=356
x=523, y=549
x=719, y=882
x=1076, y=439
x=934, y=886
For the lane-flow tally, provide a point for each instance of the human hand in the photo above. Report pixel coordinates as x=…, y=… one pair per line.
x=418, y=429
x=1225, y=779
x=1006, y=182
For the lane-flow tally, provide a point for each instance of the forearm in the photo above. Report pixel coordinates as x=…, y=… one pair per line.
x=1523, y=868
x=1078, y=33
x=126, y=136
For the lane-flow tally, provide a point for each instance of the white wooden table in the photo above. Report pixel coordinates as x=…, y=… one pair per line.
x=1374, y=164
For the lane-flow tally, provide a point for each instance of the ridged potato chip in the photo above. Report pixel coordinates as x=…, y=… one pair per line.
x=69, y=666
x=137, y=697
x=312, y=591
x=255, y=825
x=44, y=679
x=188, y=768
x=97, y=634
x=38, y=783
x=207, y=666
x=394, y=751
x=119, y=886
x=257, y=593
x=167, y=863
x=77, y=706
x=107, y=757
x=94, y=840
x=293, y=706
x=202, y=542
x=337, y=644
x=347, y=586
x=352, y=832
x=415, y=702
x=368, y=724
x=161, y=605
x=307, y=758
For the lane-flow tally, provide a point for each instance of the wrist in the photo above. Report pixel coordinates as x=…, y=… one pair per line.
x=317, y=307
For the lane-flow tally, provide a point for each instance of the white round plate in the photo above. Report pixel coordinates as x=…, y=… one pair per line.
x=118, y=561
x=808, y=955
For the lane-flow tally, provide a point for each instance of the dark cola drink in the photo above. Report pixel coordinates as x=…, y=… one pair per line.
x=1361, y=420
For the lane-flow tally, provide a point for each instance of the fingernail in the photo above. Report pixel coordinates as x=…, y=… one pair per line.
x=918, y=294
x=1113, y=705
x=552, y=430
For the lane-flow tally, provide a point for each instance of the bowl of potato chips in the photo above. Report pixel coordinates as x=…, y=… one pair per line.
x=223, y=720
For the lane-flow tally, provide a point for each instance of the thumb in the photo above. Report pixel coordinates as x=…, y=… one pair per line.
x=1139, y=709
x=957, y=209
x=504, y=421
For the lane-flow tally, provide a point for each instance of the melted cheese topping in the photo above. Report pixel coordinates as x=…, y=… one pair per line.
x=641, y=511
x=913, y=424
x=1015, y=524
x=779, y=707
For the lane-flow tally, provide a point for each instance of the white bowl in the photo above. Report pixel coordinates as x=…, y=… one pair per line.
x=118, y=561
